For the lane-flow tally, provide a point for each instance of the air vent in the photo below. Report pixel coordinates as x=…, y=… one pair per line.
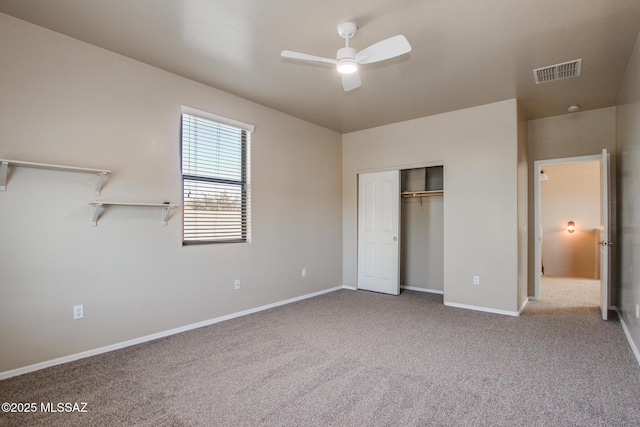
x=557, y=72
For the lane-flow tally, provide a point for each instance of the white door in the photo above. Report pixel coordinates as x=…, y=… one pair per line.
x=378, y=232
x=604, y=234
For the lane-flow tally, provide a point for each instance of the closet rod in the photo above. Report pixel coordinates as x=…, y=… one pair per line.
x=411, y=194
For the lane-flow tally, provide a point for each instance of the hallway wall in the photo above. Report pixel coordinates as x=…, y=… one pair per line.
x=572, y=193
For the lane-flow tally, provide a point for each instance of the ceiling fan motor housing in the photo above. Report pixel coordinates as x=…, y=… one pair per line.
x=346, y=53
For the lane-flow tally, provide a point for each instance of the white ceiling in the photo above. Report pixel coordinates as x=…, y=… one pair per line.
x=465, y=52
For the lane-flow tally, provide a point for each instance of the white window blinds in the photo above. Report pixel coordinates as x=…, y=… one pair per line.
x=215, y=171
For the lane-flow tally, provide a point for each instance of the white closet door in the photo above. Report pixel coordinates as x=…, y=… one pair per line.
x=379, y=232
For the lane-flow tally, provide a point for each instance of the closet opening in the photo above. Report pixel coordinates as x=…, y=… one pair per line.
x=422, y=229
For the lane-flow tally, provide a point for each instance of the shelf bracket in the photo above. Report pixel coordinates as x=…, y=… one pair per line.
x=97, y=208
x=100, y=178
x=167, y=213
x=4, y=168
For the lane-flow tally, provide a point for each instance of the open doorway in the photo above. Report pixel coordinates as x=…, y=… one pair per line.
x=571, y=222
x=422, y=229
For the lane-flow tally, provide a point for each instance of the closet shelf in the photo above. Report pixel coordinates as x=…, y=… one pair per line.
x=101, y=174
x=411, y=194
x=98, y=206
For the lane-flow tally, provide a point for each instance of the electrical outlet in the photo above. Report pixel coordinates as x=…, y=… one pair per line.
x=78, y=312
x=236, y=285
x=304, y=272
x=476, y=280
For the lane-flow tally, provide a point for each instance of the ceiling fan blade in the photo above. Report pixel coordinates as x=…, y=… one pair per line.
x=305, y=57
x=351, y=81
x=385, y=49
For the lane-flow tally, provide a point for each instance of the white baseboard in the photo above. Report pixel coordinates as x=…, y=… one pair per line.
x=135, y=341
x=632, y=344
x=409, y=288
x=524, y=304
x=485, y=309
x=431, y=291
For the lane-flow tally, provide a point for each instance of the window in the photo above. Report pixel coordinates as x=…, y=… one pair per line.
x=215, y=178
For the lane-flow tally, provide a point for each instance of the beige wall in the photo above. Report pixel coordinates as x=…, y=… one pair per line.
x=523, y=202
x=572, y=193
x=478, y=148
x=573, y=135
x=66, y=102
x=628, y=128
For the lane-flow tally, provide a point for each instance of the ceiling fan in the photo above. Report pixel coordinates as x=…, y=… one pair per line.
x=347, y=59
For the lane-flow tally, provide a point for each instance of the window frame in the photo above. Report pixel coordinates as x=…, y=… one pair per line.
x=243, y=183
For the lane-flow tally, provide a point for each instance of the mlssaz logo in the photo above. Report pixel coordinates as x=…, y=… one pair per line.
x=63, y=407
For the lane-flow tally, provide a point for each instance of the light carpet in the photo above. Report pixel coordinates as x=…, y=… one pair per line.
x=355, y=358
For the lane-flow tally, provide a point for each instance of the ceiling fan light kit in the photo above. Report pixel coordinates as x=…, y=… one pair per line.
x=348, y=59
x=346, y=62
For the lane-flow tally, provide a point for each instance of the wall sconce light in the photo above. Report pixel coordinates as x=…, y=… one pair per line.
x=571, y=227
x=543, y=176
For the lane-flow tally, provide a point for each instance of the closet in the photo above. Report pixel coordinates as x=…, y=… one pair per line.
x=422, y=229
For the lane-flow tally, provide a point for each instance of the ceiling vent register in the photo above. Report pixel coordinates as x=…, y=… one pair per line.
x=557, y=72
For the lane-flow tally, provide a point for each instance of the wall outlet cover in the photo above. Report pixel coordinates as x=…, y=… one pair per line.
x=78, y=312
